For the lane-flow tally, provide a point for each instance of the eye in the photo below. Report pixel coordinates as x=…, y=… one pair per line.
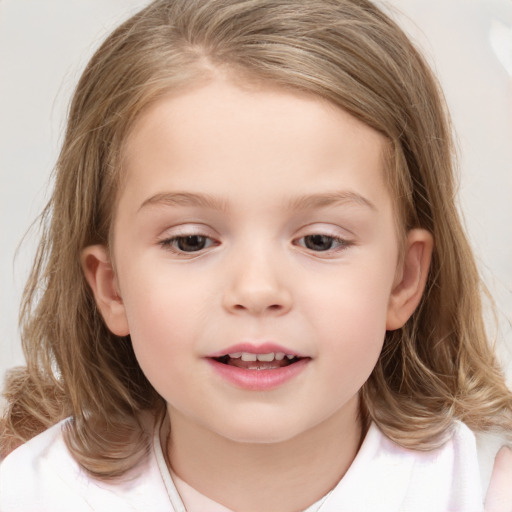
x=187, y=243
x=322, y=243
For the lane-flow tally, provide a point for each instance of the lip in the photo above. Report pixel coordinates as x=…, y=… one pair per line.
x=258, y=380
x=255, y=348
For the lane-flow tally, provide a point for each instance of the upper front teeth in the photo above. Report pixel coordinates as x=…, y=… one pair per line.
x=247, y=356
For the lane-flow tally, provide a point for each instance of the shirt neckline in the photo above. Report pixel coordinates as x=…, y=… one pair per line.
x=173, y=483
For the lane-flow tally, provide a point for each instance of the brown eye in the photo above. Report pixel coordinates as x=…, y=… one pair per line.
x=331, y=245
x=191, y=243
x=187, y=244
x=318, y=242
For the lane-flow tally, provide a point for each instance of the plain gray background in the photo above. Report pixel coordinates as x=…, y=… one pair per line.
x=44, y=45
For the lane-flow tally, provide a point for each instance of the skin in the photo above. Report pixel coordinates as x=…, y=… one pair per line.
x=499, y=494
x=268, y=161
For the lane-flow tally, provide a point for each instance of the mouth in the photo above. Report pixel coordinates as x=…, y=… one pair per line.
x=264, y=361
x=258, y=367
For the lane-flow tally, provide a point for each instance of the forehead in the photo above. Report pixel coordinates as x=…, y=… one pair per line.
x=267, y=140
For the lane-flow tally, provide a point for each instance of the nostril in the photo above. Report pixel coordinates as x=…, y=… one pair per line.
x=256, y=301
x=272, y=307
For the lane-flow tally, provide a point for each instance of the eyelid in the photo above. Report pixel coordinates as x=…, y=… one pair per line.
x=168, y=243
x=343, y=237
x=173, y=234
x=187, y=229
x=326, y=229
x=343, y=244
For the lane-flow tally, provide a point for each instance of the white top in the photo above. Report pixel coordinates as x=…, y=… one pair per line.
x=42, y=476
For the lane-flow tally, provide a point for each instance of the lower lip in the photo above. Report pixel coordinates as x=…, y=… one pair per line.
x=258, y=380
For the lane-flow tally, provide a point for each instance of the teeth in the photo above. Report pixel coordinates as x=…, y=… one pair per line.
x=271, y=356
x=266, y=357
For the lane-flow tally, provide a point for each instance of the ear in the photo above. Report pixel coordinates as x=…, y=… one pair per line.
x=100, y=275
x=411, y=278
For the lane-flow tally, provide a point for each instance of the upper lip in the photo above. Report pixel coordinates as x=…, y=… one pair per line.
x=255, y=348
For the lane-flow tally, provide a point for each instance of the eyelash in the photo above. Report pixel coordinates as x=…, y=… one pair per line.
x=171, y=244
x=341, y=242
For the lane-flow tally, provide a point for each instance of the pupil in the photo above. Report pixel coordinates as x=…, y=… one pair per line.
x=191, y=243
x=318, y=242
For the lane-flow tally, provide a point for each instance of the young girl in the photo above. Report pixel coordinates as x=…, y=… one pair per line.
x=253, y=292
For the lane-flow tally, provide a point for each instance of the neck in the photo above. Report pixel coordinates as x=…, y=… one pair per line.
x=275, y=477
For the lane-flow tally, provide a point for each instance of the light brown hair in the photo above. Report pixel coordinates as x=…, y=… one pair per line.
x=437, y=368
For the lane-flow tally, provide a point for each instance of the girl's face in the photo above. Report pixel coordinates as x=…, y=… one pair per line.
x=255, y=223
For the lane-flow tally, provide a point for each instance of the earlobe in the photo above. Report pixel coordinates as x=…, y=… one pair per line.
x=100, y=275
x=411, y=278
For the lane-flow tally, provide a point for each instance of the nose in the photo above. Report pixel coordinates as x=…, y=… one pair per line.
x=257, y=287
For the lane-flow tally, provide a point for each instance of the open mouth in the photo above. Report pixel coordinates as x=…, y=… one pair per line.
x=249, y=361
x=258, y=369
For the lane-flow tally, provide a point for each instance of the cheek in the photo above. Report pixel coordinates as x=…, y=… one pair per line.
x=356, y=330
x=162, y=340
x=157, y=299
x=164, y=317
x=352, y=345
x=355, y=298
x=350, y=320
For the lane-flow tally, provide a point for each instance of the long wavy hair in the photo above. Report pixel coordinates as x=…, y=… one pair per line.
x=437, y=368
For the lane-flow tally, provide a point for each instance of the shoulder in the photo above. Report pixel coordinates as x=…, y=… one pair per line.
x=446, y=478
x=39, y=471
x=48, y=441
x=488, y=444
x=452, y=471
x=42, y=475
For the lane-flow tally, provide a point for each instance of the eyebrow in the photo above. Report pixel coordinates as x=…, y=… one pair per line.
x=185, y=199
x=309, y=201
x=330, y=199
